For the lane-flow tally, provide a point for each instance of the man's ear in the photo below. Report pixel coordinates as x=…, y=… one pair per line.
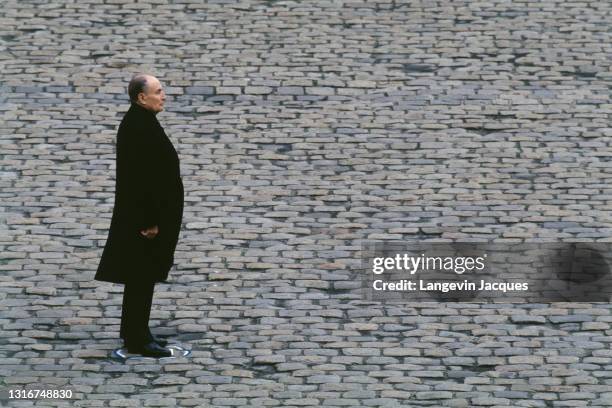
x=141, y=97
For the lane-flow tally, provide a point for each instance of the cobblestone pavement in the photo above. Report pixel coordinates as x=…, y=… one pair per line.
x=304, y=129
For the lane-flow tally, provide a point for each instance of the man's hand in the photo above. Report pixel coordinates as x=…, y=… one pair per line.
x=150, y=233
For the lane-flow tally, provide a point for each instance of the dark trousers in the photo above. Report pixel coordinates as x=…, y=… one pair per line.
x=135, y=312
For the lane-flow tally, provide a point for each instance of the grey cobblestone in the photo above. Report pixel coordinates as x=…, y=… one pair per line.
x=304, y=129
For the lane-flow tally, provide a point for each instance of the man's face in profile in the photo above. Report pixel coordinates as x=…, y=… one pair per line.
x=153, y=96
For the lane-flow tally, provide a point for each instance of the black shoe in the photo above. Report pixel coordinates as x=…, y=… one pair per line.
x=151, y=349
x=161, y=342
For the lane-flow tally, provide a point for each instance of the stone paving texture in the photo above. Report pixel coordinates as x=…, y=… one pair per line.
x=304, y=129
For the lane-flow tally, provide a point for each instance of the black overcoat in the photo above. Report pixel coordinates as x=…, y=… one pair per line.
x=148, y=192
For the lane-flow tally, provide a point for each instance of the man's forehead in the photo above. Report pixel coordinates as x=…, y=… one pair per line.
x=153, y=83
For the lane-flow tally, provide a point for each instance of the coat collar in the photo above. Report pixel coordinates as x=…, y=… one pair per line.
x=139, y=109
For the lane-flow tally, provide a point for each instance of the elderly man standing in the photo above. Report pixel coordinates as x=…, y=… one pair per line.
x=147, y=214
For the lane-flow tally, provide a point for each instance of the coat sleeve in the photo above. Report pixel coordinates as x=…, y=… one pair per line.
x=139, y=158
